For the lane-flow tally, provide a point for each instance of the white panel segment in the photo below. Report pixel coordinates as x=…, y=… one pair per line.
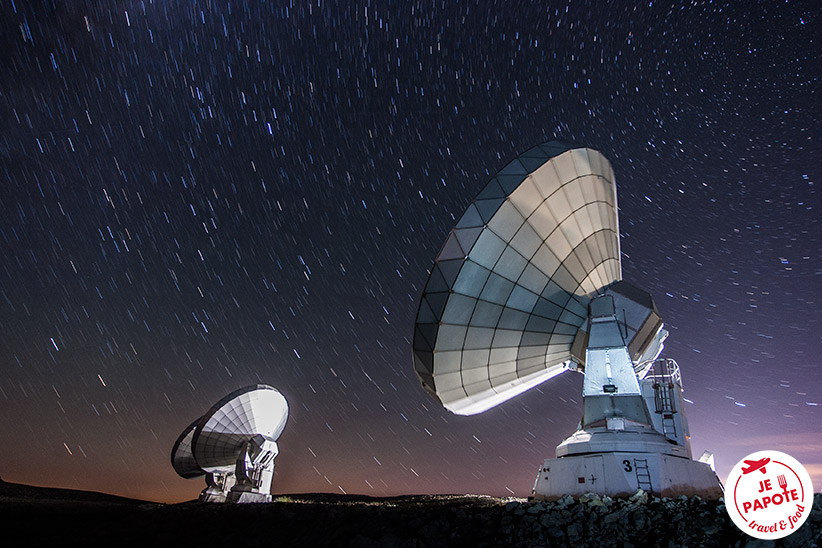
x=546, y=180
x=479, y=337
x=511, y=264
x=565, y=167
x=526, y=241
x=451, y=337
x=543, y=221
x=559, y=206
x=503, y=355
x=573, y=193
x=570, y=227
x=546, y=260
x=449, y=361
x=487, y=249
x=526, y=198
x=581, y=161
x=557, y=242
x=533, y=278
x=506, y=221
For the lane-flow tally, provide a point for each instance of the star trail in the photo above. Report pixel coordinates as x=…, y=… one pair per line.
x=198, y=196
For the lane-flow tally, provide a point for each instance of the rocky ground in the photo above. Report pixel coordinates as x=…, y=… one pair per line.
x=43, y=517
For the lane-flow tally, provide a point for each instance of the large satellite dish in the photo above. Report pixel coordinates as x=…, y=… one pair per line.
x=234, y=445
x=510, y=288
x=528, y=285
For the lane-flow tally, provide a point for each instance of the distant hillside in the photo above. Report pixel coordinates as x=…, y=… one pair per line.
x=10, y=492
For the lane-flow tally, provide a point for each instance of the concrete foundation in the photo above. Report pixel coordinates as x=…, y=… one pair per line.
x=620, y=474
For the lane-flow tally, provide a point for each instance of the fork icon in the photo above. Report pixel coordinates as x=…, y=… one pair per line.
x=783, y=483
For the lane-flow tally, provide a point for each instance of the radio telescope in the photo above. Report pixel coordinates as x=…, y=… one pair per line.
x=233, y=445
x=529, y=285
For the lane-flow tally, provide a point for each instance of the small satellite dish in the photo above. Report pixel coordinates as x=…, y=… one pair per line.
x=182, y=459
x=528, y=285
x=234, y=445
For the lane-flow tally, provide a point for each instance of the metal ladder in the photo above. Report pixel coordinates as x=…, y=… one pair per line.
x=665, y=407
x=643, y=476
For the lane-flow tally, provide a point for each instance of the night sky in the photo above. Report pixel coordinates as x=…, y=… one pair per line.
x=198, y=196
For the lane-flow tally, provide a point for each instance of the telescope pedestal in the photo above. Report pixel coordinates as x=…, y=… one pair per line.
x=621, y=474
x=218, y=485
x=244, y=494
x=638, y=459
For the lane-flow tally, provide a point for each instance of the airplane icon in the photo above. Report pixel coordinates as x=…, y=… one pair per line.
x=754, y=465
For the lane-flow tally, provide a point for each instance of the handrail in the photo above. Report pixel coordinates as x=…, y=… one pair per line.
x=661, y=369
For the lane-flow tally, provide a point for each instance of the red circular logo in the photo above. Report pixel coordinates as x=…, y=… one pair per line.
x=769, y=494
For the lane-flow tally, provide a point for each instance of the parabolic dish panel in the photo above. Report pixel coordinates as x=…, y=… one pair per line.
x=182, y=459
x=510, y=287
x=257, y=409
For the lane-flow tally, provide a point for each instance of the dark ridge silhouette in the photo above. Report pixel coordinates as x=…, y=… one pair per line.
x=11, y=492
x=38, y=516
